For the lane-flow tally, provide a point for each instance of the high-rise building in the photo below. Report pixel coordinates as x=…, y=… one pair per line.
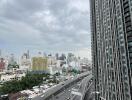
x=70, y=57
x=0, y=53
x=39, y=64
x=2, y=64
x=51, y=60
x=28, y=56
x=25, y=61
x=44, y=54
x=57, y=56
x=12, y=63
x=111, y=22
x=12, y=60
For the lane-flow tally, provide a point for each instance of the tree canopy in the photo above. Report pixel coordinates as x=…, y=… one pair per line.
x=26, y=82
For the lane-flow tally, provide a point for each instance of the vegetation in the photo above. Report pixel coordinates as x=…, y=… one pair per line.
x=26, y=82
x=15, y=65
x=74, y=71
x=57, y=74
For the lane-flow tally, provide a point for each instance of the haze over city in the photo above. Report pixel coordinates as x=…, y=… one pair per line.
x=45, y=25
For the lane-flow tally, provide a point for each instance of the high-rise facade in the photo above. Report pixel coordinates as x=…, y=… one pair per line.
x=2, y=64
x=25, y=61
x=111, y=25
x=39, y=64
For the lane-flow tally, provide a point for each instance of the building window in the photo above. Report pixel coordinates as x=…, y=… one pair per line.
x=114, y=97
x=122, y=49
x=112, y=76
x=130, y=54
x=129, y=43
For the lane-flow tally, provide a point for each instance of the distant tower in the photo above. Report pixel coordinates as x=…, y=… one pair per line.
x=12, y=58
x=28, y=56
x=44, y=54
x=0, y=53
x=2, y=64
x=40, y=54
x=57, y=56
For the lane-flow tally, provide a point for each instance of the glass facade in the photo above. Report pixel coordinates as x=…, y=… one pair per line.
x=111, y=28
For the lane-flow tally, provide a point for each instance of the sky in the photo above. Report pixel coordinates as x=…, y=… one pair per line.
x=46, y=25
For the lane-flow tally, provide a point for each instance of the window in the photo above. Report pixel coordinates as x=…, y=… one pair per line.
x=129, y=43
x=112, y=76
x=114, y=97
x=130, y=54
x=122, y=49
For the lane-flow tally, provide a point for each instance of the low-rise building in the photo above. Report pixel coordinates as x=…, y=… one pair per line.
x=8, y=77
x=18, y=96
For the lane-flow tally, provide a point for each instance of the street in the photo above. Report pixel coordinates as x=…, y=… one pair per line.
x=65, y=95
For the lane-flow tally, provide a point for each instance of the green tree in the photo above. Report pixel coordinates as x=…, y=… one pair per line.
x=26, y=82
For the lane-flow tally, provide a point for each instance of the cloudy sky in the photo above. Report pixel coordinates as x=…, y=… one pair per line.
x=47, y=25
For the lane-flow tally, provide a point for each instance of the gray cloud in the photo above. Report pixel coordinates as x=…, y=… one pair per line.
x=45, y=23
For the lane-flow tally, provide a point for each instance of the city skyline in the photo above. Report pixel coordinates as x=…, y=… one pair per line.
x=66, y=49
x=83, y=53
x=45, y=49
x=51, y=25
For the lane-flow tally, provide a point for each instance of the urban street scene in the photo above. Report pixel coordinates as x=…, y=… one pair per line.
x=65, y=49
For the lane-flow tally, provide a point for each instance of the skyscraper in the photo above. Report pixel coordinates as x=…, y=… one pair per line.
x=111, y=25
x=2, y=64
x=25, y=61
x=39, y=64
x=0, y=53
x=12, y=59
x=28, y=55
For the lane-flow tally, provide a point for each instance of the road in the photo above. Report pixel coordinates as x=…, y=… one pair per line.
x=86, y=87
x=65, y=94
x=59, y=88
x=88, y=95
x=62, y=94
